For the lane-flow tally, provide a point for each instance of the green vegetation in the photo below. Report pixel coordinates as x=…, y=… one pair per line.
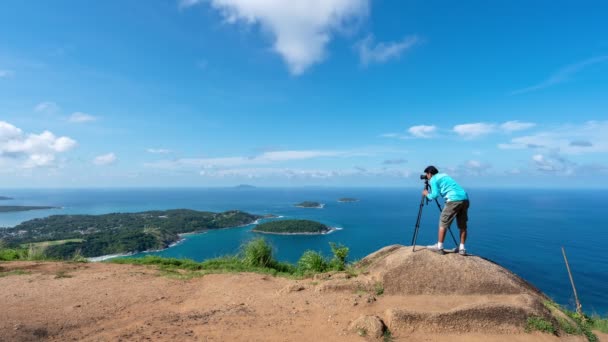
x=535, y=323
x=379, y=289
x=309, y=204
x=340, y=252
x=49, y=243
x=292, y=227
x=62, y=274
x=584, y=323
x=312, y=262
x=14, y=208
x=600, y=324
x=67, y=236
x=15, y=272
x=387, y=336
x=255, y=256
x=13, y=254
x=257, y=253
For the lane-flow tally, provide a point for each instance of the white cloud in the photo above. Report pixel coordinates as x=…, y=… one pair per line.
x=6, y=73
x=563, y=75
x=475, y=167
x=291, y=174
x=394, y=161
x=301, y=29
x=105, y=159
x=371, y=52
x=46, y=107
x=474, y=130
x=296, y=155
x=553, y=164
x=422, y=131
x=478, y=129
x=512, y=126
x=80, y=117
x=589, y=137
x=31, y=150
x=262, y=159
x=159, y=150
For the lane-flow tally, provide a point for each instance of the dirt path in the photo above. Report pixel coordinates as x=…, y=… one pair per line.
x=108, y=302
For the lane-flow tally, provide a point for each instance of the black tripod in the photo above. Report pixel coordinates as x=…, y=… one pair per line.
x=422, y=202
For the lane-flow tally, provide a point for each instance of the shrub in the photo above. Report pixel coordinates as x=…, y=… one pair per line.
x=312, y=262
x=11, y=254
x=379, y=289
x=340, y=252
x=257, y=253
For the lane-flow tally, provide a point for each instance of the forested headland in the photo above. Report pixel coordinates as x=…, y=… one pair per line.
x=116, y=233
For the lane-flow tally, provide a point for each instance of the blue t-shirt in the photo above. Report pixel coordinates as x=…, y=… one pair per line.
x=444, y=185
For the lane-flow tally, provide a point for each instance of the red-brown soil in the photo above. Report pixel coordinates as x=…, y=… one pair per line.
x=110, y=302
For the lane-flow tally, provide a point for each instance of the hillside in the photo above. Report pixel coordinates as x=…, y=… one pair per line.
x=96, y=235
x=417, y=296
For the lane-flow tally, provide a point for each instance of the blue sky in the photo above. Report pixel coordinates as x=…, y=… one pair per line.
x=325, y=92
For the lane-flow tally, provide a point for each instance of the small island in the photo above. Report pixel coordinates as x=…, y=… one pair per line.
x=245, y=186
x=4, y=198
x=310, y=204
x=348, y=200
x=16, y=208
x=293, y=227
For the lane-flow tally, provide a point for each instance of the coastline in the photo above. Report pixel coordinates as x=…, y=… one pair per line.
x=182, y=238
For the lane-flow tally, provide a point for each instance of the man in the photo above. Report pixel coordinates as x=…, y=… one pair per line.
x=456, y=206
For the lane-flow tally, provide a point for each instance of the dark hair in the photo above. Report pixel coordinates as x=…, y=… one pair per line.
x=431, y=169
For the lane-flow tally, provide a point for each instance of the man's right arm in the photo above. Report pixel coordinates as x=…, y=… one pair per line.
x=434, y=189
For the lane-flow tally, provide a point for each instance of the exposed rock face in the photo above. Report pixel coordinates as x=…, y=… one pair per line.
x=403, y=272
x=368, y=326
x=483, y=293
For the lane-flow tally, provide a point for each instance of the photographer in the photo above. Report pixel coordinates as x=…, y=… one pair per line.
x=456, y=206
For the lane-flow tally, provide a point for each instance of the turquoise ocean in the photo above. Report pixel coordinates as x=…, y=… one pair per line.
x=522, y=230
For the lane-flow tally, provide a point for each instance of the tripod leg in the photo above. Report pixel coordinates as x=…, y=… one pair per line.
x=415, y=236
x=449, y=228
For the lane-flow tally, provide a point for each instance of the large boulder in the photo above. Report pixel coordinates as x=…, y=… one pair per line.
x=404, y=272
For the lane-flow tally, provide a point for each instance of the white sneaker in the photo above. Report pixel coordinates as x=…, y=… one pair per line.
x=434, y=248
x=462, y=252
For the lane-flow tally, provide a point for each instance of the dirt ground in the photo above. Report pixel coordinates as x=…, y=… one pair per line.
x=110, y=302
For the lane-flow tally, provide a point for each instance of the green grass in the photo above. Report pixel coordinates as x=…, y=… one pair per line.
x=62, y=274
x=13, y=254
x=257, y=253
x=49, y=243
x=255, y=256
x=600, y=324
x=535, y=323
x=15, y=272
x=312, y=262
x=379, y=289
x=584, y=323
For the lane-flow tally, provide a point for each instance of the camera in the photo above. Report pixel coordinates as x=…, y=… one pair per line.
x=423, y=177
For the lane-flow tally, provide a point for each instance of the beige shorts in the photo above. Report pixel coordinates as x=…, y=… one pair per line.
x=455, y=209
